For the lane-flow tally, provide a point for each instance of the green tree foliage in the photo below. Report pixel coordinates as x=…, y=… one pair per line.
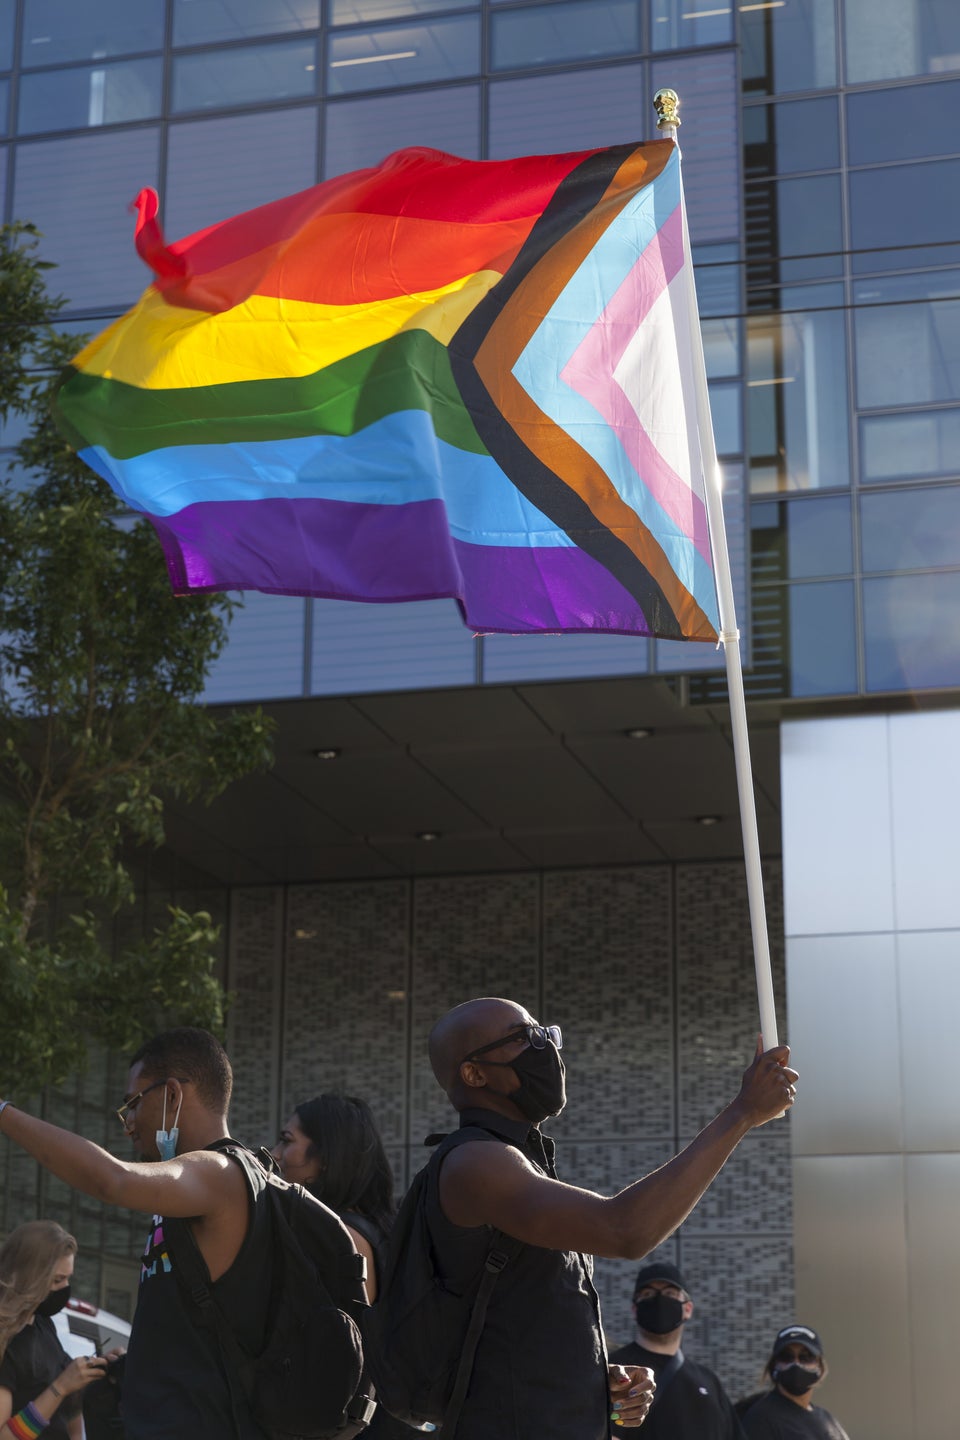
x=101, y=670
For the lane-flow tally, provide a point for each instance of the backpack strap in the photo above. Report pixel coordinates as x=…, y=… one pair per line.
x=503, y=1249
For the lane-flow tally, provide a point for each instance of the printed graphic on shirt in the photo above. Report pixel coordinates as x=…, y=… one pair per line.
x=154, y=1252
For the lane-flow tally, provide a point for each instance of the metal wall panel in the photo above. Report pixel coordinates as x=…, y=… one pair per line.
x=925, y=790
x=933, y=1203
x=929, y=1000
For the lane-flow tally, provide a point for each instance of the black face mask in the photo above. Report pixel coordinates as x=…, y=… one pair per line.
x=795, y=1379
x=543, y=1089
x=54, y=1302
x=660, y=1314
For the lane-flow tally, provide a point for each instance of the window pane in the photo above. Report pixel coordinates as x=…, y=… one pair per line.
x=263, y=658
x=911, y=529
x=678, y=24
x=359, y=132
x=797, y=402
x=788, y=47
x=792, y=218
x=4, y=105
x=795, y=135
x=910, y=447
x=707, y=85
x=358, y=12
x=216, y=79
x=895, y=210
x=106, y=95
x=403, y=55
x=197, y=22
x=721, y=347
x=801, y=539
x=217, y=168
x=557, y=657
x=547, y=114
x=55, y=30
x=360, y=648
x=550, y=34
x=912, y=631
x=718, y=282
x=903, y=124
x=907, y=354
x=77, y=191
x=725, y=411
x=823, y=649
x=901, y=37
x=7, y=16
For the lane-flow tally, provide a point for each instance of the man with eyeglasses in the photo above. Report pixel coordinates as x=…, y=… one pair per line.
x=540, y=1366
x=175, y=1113
x=690, y=1403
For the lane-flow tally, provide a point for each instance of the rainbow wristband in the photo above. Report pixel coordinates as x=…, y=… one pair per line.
x=27, y=1424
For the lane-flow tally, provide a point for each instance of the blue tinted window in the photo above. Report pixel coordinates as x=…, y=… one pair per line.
x=717, y=275
x=896, y=211
x=795, y=218
x=788, y=47
x=214, y=79
x=903, y=124
x=359, y=12
x=545, y=114
x=77, y=191
x=403, y=55
x=725, y=411
x=797, y=402
x=887, y=38
x=801, y=539
x=55, y=30
x=104, y=95
x=264, y=655
x=907, y=354
x=908, y=645
x=721, y=348
x=550, y=34
x=355, y=131
x=911, y=529
x=360, y=647
x=710, y=138
x=556, y=657
x=197, y=22
x=792, y=136
x=679, y=24
x=917, y=446
x=4, y=105
x=220, y=167
x=7, y=16
x=823, y=649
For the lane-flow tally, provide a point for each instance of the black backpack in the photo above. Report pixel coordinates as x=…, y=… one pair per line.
x=309, y=1382
x=420, y=1338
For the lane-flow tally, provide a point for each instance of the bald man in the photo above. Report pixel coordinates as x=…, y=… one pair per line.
x=541, y=1365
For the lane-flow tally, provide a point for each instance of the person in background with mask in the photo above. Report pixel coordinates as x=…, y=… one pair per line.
x=39, y=1383
x=175, y=1114
x=690, y=1403
x=540, y=1366
x=787, y=1412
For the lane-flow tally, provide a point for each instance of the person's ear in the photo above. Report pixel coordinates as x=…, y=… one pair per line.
x=472, y=1075
x=174, y=1096
x=687, y=1310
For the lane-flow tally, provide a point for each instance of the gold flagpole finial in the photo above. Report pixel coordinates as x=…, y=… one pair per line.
x=667, y=105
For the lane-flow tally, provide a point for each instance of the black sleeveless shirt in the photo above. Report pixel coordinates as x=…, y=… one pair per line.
x=541, y=1364
x=174, y=1383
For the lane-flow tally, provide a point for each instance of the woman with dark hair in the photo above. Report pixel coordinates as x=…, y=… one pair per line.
x=38, y=1380
x=331, y=1146
x=787, y=1412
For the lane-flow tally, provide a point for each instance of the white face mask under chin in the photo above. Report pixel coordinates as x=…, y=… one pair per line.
x=167, y=1139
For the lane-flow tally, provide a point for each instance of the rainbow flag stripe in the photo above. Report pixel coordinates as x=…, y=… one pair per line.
x=437, y=377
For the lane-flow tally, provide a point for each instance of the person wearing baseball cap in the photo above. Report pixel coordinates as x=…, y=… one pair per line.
x=787, y=1411
x=690, y=1403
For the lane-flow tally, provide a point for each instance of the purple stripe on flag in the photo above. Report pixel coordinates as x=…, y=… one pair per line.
x=343, y=551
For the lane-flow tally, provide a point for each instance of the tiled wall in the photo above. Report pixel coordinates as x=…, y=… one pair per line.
x=647, y=968
x=649, y=971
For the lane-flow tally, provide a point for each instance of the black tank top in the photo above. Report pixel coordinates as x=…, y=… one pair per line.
x=174, y=1383
x=541, y=1364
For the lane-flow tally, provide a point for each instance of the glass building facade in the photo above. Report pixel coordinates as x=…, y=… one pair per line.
x=822, y=161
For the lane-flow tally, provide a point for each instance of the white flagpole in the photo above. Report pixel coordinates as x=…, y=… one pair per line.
x=666, y=102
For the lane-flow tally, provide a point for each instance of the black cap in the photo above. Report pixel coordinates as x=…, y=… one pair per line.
x=797, y=1335
x=658, y=1270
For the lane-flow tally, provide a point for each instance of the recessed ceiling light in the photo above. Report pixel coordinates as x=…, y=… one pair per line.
x=326, y=752
x=428, y=835
x=708, y=819
x=638, y=732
